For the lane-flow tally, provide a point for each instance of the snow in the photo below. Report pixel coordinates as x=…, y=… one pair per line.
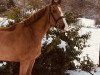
x=63, y=45
x=94, y=41
x=30, y=12
x=86, y=22
x=73, y=72
x=5, y=21
x=49, y=40
x=1, y=64
x=80, y=72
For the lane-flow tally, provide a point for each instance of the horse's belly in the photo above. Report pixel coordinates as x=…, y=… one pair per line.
x=15, y=49
x=8, y=56
x=8, y=53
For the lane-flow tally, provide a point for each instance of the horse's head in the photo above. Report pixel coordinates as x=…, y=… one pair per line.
x=56, y=16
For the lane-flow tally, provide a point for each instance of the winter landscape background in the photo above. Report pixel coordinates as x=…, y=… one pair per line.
x=88, y=10
x=94, y=41
x=92, y=50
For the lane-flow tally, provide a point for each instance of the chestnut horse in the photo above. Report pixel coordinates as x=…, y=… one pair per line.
x=22, y=42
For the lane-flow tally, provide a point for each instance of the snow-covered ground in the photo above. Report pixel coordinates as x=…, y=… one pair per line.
x=80, y=72
x=94, y=41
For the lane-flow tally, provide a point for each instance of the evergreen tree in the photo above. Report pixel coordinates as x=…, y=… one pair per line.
x=14, y=13
x=87, y=64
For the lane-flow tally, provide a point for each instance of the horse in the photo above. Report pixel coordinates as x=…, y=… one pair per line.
x=22, y=42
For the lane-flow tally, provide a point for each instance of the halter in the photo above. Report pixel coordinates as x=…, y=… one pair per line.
x=56, y=20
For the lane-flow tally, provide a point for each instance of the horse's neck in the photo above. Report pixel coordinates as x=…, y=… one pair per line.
x=41, y=26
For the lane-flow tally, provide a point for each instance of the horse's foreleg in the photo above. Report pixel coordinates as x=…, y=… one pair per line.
x=30, y=67
x=26, y=67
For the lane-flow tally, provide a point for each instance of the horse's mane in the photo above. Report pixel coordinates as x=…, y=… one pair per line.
x=36, y=16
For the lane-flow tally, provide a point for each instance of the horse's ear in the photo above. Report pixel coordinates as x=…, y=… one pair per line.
x=53, y=2
x=59, y=2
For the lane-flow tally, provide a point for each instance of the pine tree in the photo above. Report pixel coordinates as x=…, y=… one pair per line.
x=14, y=13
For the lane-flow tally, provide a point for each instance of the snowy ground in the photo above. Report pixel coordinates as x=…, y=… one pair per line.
x=94, y=41
x=80, y=72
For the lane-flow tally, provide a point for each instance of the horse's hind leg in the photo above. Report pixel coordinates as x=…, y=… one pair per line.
x=26, y=67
